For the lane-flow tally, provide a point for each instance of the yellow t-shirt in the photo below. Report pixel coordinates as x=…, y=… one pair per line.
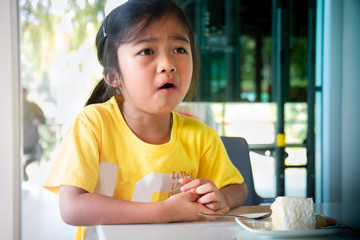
x=100, y=153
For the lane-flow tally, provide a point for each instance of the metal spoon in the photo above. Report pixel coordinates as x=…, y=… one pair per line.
x=253, y=216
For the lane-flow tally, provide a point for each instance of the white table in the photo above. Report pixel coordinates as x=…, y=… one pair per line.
x=225, y=228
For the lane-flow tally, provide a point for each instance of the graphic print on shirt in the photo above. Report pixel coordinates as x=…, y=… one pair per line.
x=158, y=186
x=107, y=179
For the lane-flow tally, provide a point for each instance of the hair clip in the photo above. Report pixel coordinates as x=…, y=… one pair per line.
x=104, y=33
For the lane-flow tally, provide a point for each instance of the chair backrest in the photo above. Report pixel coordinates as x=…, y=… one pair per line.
x=238, y=151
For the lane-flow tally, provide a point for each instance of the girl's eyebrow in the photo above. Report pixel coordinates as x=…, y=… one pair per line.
x=179, y=38
x=176, y=37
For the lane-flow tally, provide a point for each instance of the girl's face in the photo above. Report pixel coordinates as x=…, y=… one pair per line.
x=156, y=68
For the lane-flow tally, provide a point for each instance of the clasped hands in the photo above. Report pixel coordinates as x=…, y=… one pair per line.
x=207, y=193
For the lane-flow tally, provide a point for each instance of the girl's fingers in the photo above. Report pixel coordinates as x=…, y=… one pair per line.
x=208, y=198
x=211, y=201
x=200, y=186
x=186, y=180
x=223, y=210
x=213, y=206
x=189, y=183
x=206, y=188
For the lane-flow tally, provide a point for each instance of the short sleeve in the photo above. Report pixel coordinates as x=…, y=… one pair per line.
x=77, y=159
x=216, y=165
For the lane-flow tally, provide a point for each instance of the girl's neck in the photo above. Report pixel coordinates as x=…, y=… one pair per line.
x=150, y=128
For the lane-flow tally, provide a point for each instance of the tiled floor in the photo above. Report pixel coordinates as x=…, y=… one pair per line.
x=40, y=217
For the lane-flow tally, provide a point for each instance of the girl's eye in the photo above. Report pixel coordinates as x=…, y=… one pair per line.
x=147, y=52
x=180, y=50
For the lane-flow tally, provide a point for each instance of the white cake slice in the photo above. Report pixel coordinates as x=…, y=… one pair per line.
x=293, y=213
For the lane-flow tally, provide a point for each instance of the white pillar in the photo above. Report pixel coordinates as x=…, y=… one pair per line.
x=332, y=100
x=9, y=123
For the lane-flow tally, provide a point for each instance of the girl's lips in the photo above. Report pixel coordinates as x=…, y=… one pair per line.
x=167, y=88
x=167, y=84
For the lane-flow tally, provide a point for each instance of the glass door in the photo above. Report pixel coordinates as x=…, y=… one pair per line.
x=257, y=82
x=59, y=68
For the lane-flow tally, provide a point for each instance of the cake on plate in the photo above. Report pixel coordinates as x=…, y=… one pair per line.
x=293, y=213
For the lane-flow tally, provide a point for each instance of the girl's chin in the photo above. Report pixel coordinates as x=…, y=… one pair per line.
x=165, y=110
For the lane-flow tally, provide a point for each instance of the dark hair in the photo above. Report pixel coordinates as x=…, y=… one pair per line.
x=126, y=22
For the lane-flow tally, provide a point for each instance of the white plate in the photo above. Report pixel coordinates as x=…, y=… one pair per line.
x=263, y=228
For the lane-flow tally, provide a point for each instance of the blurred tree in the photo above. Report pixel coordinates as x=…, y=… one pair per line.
x=84, y=14
x=50, y=29
x=38, y=26
x=36, y=37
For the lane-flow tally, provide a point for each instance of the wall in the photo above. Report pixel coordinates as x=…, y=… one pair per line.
x=9, y=123
x=351, y=99
x=341, y=113
x=332, y=100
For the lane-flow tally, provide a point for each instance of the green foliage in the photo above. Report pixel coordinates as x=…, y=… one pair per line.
x=38, y=32
x=298, y=67
x=89, y=14
x=248, y=62
x=42, y=39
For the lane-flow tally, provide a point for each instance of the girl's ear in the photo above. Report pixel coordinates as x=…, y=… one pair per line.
x=112, y=77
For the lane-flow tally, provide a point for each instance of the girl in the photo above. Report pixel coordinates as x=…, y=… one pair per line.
x=128, y=157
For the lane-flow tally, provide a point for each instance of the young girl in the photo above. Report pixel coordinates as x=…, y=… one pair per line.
x=128, y=157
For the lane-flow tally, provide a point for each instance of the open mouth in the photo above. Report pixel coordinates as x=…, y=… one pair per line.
x=167, y=85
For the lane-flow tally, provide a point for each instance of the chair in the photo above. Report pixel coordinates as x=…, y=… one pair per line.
x=238, y=151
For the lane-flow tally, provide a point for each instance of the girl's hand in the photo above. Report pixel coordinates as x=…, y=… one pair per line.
x=185, y=207
x=209, y=194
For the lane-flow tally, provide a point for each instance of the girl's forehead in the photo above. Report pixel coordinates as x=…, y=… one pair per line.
x=167, y=23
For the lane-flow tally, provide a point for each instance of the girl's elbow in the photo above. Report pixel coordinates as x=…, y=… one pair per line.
x=245, y=193
x=69, y=216
x=70, y=205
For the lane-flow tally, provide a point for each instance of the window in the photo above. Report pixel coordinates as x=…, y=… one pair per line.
x=236, y=94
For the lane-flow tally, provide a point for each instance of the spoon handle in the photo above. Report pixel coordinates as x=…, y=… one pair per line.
x=246, y=216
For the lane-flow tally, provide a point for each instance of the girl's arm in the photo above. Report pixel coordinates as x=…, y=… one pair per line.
x=235, y=194
x=229, y=196
x=81, y=208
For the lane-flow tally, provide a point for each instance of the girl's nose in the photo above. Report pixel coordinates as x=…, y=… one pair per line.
x=166, y=65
